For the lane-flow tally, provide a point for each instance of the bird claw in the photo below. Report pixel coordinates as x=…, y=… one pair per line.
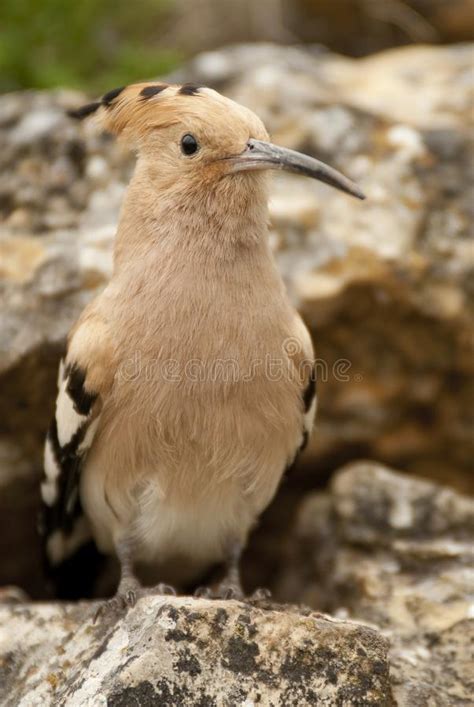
x=117, y=604
x=229, y=591
x=130, y=598
x=260, y=594
x=164, y=589
x=224, y=591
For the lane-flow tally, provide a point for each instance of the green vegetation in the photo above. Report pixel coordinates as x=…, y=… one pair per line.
x=91, y=44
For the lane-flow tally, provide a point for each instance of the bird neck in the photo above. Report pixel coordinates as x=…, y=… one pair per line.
x=204, y=223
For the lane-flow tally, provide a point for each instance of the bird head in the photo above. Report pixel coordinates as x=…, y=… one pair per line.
x=193, y=137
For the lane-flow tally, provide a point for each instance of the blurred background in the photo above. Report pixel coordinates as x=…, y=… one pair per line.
x=380, y=89
x=97, y=43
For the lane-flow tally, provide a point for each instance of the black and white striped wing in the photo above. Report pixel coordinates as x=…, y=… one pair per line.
x=305, y=366
x=63, y=525
x=310, y=402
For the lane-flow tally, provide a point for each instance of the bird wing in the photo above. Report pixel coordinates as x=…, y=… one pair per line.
x=85, y=378
x=300, y=350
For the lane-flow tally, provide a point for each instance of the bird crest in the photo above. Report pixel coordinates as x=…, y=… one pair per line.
x=133, y=108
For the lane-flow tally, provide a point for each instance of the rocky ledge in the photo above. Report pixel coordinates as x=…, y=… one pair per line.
x=183, y=651
x=390, y=557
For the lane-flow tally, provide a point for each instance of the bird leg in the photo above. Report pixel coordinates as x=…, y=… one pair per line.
x=230, y=587
x=129, y=588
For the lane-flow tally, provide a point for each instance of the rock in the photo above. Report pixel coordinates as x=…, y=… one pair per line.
x=49, y=172
x=395, y=552
x=384, y=285
x=171, y=651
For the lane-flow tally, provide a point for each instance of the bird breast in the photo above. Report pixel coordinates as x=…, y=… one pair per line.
x=204, y=414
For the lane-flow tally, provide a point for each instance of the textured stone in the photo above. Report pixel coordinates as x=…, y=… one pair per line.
x=188, y=652
x=398, y=553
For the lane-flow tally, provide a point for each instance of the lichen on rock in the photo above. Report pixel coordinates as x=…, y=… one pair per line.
x=173, y=651
x=397, y=553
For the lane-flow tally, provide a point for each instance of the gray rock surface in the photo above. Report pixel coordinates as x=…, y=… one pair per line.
x=192, y=652
x=397, y=553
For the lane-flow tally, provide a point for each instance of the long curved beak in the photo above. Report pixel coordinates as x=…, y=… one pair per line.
x=265, y=155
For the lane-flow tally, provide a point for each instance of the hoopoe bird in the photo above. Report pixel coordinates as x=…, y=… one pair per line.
x=188, y=385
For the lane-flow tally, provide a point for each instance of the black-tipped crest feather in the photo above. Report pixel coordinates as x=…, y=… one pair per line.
x=108, y=97
x=84, y=111
x=89, y=108
x=108, y=100
x=150, y=91
x=189, y=89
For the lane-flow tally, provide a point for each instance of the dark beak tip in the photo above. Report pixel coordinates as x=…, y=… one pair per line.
x=356, y=191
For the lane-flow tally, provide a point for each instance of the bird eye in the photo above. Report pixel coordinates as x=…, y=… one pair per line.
x=189, y=144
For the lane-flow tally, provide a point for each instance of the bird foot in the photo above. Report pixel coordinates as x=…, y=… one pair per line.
x=260, y=594
x=229, y=590
x=13, y=595
x=116, y=606
x=225, y=590
x=162, y=589
x=126, y=597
